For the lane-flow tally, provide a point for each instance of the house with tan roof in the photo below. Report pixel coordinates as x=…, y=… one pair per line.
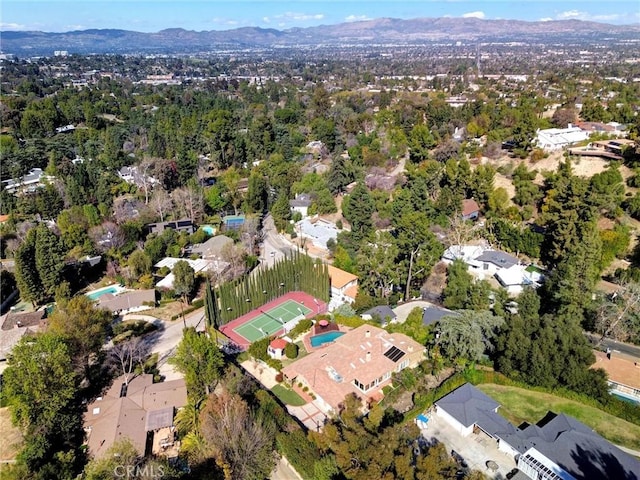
x=13, y=326
x=362, y=361
x=344, y=286
x=141, y=411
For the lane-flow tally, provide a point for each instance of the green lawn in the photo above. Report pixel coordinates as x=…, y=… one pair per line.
x=521, y=405
x=287, y=396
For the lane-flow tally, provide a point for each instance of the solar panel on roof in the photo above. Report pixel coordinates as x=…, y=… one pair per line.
x=394, y=354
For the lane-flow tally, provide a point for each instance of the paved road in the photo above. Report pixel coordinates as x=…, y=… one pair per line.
x=615, y=346
x=274, y=247
x=284, y=471
x=166, y=339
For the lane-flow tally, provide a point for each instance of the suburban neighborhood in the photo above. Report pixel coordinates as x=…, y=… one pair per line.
x=382, y=248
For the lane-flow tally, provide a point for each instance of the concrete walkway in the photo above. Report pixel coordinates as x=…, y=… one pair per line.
x=310, y=415
x=262, y=372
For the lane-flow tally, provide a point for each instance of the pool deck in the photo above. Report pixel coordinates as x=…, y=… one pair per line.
x=307, y=339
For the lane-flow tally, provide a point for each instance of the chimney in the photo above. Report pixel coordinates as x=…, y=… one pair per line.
x=367, y=334
x=410, y=349
x=368, y=356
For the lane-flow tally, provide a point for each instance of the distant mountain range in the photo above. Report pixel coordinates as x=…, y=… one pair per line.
x=384, y=31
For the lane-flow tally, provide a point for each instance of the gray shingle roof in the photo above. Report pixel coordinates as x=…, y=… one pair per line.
x=470, y=406
x=431, y=315
x=382, y=311
x=501, y=259
x=579, y=450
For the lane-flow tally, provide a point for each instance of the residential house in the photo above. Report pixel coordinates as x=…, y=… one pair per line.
x=485, y=262
x=201, y=265
x=184, y=225
x=30, y=182
x=558, y=447
x=344, y=286
x=470, y=209
x=318, y=230
x=212, y=248
x=276, y=348
x=361, y=362
x=383, y=314
x=141, y=411
x=517, y=277
x=134, y=176
x=128, y=301
x=433, y=314
x=16, y=325
x=552, y=139
x=300, y=204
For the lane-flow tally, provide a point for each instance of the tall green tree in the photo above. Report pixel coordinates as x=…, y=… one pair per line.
x=49, y=259
x=184, y=279
x=84, y=328
x=469, y=334
x=200, y=361
x=27, y=278
x=358, y=209
x=41, y=388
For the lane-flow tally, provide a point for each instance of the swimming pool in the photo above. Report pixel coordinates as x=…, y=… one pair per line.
x=96, y=294
x=625, y=397
x=318, y=340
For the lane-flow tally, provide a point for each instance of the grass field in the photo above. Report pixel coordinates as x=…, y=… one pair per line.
x=288, y=397
x=271, y=321
x=11, y=438
x=520, y=405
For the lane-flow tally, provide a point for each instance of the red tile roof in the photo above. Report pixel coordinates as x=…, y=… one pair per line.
x=278, y=344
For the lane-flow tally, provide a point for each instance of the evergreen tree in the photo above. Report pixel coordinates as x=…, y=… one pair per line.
x=459, y=283
x=358, y=209
x=257, y=194
x=281, y=212
x=27, y=278
x=49, y=259
x=339, y=175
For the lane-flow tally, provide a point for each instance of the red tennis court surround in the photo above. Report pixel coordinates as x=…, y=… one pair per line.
x=316, y=306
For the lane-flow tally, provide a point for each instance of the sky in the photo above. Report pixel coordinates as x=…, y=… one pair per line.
x=155, y=15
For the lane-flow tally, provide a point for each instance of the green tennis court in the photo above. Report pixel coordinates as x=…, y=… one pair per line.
x=271, y=321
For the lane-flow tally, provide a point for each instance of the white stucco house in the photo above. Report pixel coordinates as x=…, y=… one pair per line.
x=552, y=139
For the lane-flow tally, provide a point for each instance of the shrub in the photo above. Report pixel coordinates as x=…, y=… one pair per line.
x=279, y=377
x=305, y=389
x=302, y=326
x=291, y=350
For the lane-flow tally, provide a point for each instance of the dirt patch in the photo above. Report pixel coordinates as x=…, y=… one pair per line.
x=11, y=438
x=165, y=312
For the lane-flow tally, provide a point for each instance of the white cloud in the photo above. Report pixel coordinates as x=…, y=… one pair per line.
x=356, y=18
x=477, y=14
x=546, y=19
x=569, y=14
x=225, y=21
x=300, y=17
x=12, y=26
x=578, y=15
x=266, y=19
x=75, y=27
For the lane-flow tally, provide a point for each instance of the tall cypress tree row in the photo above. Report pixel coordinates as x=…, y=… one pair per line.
x=299, y=272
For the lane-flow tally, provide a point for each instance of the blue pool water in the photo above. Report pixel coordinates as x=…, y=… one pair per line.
x=209, y=230
x=323, y=338
x=624, y=397
x=98, y=293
